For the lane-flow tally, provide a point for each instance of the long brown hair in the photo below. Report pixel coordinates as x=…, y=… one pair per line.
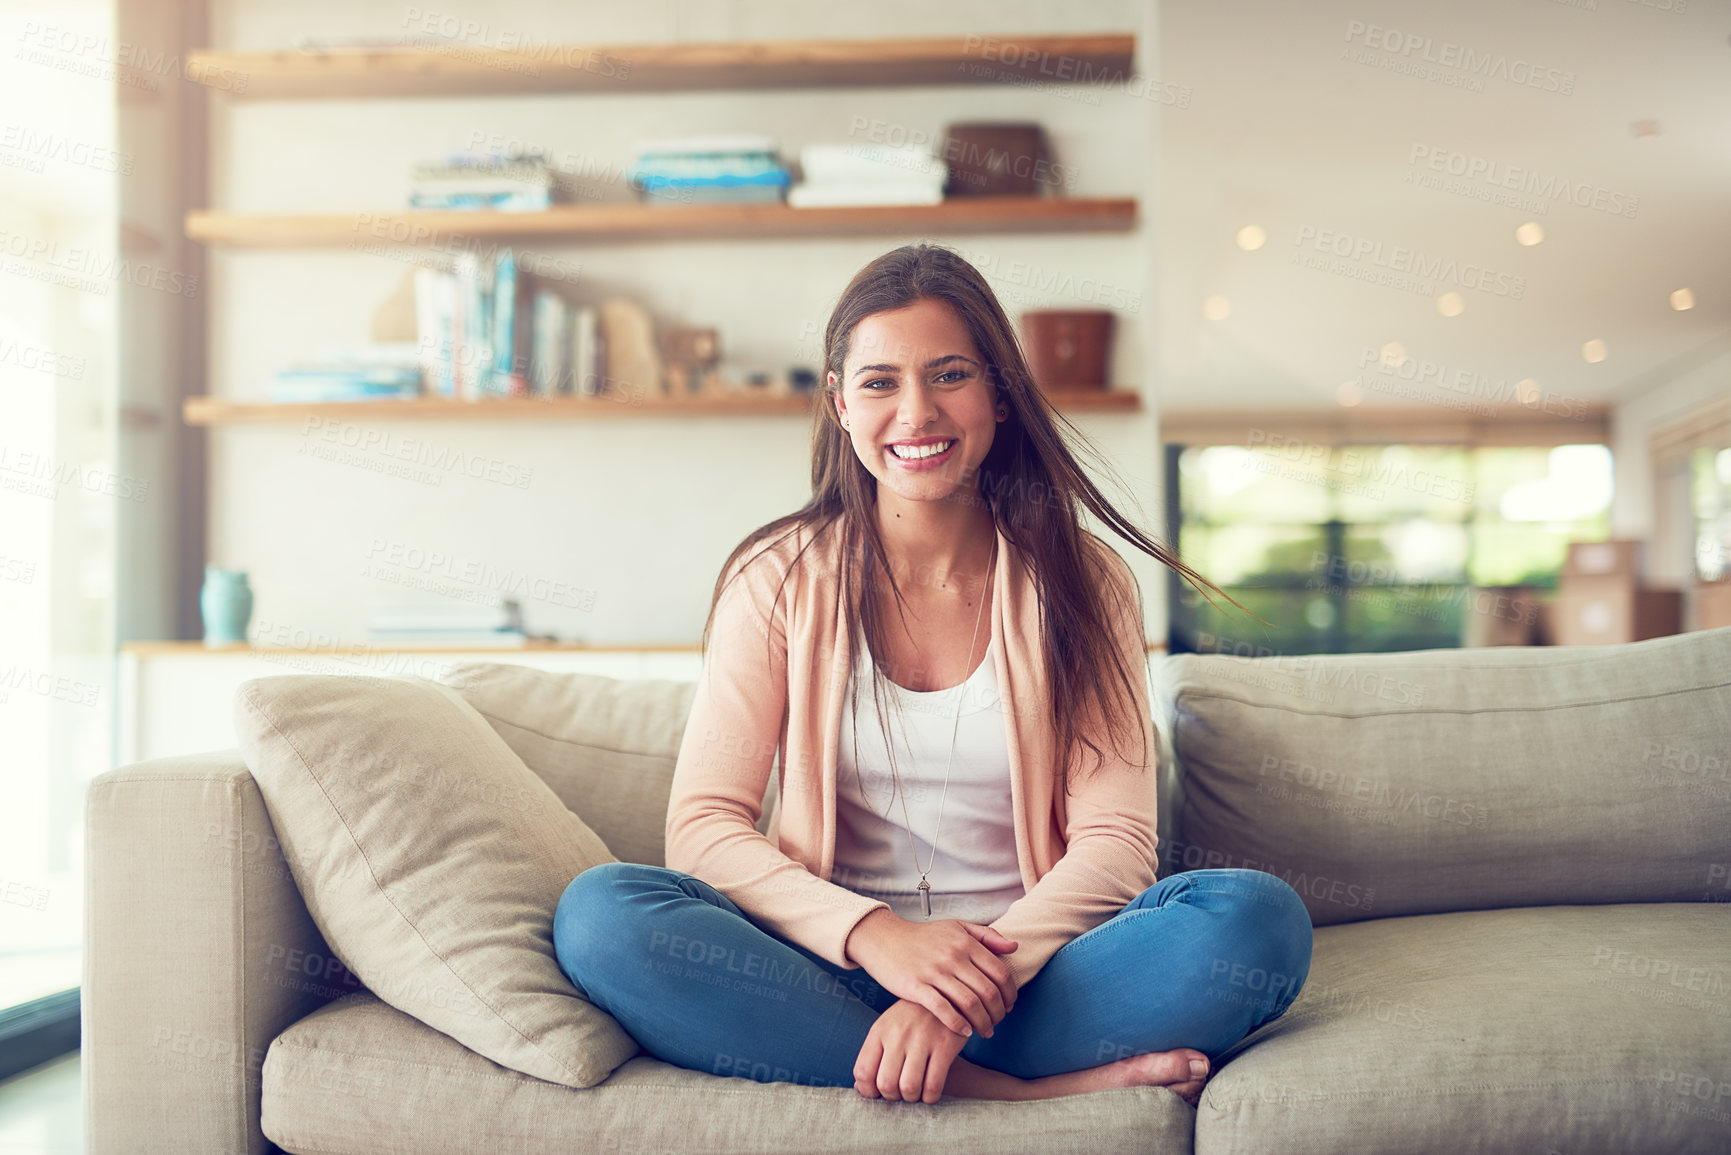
x=1029, y=480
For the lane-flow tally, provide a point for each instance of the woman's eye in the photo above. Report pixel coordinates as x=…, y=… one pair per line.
x=953, y=376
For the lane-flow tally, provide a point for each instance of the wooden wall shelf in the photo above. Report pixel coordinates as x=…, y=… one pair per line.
x=218, y=411
x=608, y=223
x=457, y=67
x=1567, y=422
x=183, y=649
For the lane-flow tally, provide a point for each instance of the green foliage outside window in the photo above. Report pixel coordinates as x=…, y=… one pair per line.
x=1710, y=485
x=1373, y=547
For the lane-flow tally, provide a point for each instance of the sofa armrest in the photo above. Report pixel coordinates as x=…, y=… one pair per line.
x=198, y=952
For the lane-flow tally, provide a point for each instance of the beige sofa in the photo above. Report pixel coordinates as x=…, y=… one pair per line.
x=1518, y=862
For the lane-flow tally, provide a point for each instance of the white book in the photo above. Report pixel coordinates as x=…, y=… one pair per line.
x=469, y=346
x=586, y=351
x=865, y=161
x=445, y=302
x=551, y=343
x=433, y=292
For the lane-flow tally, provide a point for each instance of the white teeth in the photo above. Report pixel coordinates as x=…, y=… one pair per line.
x=917, y=452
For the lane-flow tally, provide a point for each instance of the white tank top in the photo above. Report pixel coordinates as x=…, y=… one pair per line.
x=975, y=876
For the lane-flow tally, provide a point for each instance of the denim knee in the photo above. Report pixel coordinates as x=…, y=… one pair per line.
x=1269, y=932
x=589, y=918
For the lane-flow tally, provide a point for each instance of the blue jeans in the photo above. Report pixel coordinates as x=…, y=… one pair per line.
x=1197, y=960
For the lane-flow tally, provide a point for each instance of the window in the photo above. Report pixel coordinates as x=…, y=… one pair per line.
x=1710, y=491
x=59, y=513
x=1368, y=547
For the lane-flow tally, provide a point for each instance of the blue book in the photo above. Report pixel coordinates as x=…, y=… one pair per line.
x=652, y=181
x=367, y=374
x=473, y=325
x=517, y=202
x=709, y=166
x=505, y=307
x=357, y=380
x=334, y=390
x=688, y=195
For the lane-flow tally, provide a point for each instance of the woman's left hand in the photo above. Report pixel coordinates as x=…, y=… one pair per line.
x=907, y=1055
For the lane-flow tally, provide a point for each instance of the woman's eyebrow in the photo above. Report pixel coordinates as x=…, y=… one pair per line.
x=932, y=364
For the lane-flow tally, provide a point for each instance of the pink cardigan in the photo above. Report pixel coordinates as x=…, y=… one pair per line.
x=1082, y=858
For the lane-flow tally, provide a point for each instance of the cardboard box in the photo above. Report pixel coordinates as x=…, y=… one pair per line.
x=1712, y=605
x=1596, y=583
x=1603, y=557
x=1545, y=630
x=1502, y=616
x=1608, y=609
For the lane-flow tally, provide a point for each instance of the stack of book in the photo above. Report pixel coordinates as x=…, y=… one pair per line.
x=507, y=182
x=376, y=372
x=487, y=328
x=496, y=622
x=863, y=173
x=708, y=170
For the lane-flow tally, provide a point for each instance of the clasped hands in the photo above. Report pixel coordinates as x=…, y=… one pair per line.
x=950, y=983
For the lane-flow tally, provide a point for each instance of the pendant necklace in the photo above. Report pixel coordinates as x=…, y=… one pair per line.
x=925, y=884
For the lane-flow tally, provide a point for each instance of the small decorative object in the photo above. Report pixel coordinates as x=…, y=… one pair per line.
x=690, y=356
x=628, y=344
x=226, y=605
x=995, y=159
x=801, y=380
x=1068, y=349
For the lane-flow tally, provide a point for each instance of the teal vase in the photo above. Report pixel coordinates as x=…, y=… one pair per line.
x=226, y=603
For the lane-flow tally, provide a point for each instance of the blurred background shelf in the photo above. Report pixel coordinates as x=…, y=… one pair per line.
x=603, y=223
x=454, y=67
x=217, y=411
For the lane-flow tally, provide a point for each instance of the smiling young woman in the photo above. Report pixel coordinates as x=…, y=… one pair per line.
x=942, y=561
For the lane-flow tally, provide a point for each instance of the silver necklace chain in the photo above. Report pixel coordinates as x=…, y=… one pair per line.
x=961, y=693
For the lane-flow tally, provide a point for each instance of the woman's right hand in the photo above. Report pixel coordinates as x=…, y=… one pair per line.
x=949, y=967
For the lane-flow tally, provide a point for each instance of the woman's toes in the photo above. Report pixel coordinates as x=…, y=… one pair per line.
x=1166, y=1068
x=1183, y=1068
x=1198, y=1064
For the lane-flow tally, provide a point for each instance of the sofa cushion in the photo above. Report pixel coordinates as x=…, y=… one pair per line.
x=357, y=1076
x=607, y=746
x=1591, y=1030
x=432, y=860
x=1409, y=783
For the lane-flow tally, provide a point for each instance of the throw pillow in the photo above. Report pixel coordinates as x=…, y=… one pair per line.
x=431, y=858
x=607, y=746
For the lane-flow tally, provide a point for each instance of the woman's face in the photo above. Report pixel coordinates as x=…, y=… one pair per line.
x=913, y=375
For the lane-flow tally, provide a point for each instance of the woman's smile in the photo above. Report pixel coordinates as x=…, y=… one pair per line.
x=923, y=457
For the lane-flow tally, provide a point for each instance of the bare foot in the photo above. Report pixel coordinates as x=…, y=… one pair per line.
x=1169, y=1069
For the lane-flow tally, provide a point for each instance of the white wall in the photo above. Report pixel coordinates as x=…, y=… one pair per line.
x=640, y=512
